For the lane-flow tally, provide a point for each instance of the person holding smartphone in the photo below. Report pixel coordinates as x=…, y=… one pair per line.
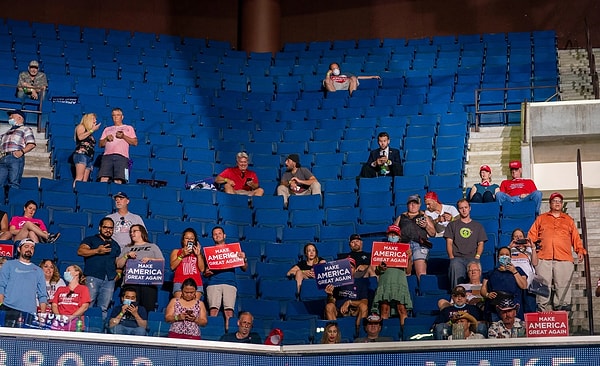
x=505, y=281
x=187, y=313
x=129, y=318
x=187, y=262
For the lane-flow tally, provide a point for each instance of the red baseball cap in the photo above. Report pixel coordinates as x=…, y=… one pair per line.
x=486, y=168
x=394, y=229
x=432, y=196
x=556, y=194
x=515, y=164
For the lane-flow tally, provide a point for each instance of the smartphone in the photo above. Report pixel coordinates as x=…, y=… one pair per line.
x=190, y=245
x=189, y=312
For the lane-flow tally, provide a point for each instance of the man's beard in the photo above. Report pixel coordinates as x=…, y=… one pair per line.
x=27, y=255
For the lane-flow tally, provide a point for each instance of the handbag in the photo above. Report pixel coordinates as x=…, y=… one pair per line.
x=539, y=287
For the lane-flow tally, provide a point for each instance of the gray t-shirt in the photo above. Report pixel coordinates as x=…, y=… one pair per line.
x=465, y=237
x=147, y=250
x=122, y=226
x=301, y=173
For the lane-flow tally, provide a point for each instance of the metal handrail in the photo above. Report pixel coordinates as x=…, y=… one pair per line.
x=20, y=104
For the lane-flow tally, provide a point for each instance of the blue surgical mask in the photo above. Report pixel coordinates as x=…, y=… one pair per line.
x=460, y=306
x=12, y=122
x=393, y=238
x=68, y=276
x=127, y=301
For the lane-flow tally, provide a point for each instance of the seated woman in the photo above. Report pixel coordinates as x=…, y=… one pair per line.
x=504, y=281
x=187, y=313
x=331, y=334
x=71, y=301
x=473, y=288
x=53, y=280
x=304, y=269
x=27, y=226
x=485, y=191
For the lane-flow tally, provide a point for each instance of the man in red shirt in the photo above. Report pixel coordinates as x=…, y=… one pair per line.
x=240, y=180
x=558, y=234
x=518, y=189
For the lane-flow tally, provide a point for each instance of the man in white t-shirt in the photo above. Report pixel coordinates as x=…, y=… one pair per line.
x=441, y=214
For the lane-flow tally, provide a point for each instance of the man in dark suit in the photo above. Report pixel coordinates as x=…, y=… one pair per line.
x=384, y=161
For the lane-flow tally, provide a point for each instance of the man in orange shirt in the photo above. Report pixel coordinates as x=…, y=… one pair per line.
x=558, y=234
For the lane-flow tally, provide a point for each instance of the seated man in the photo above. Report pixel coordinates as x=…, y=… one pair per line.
x=129, y=318
x=469, y=326
x=509, y=326
x=240, y=180
x=297, y=180
x=383, y=161
x=440, y=214
x=32, y=83
x=459, y=305
x=244, y=333
x=348, y=300
x=518, y=189
x=373, y=325
x=335, y=80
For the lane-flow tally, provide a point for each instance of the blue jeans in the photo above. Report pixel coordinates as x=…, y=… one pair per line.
x=11, y=171
x=101, y=292
x=535, y=196
x=120, y=329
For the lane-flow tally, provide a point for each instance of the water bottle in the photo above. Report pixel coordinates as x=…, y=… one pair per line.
x=79, y=325
x=445, y=333
x=458, y=331
x=20, y=321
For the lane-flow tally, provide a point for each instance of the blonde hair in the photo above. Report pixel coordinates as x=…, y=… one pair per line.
x=88, y=120
x=80, y=271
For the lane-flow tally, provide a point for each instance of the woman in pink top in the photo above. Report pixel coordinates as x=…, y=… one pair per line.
x=27, y=226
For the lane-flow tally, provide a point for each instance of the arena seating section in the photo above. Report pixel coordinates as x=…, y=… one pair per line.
x=195, y=103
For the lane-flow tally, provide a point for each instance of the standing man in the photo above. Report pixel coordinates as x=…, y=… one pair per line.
x=116, y=140
x=335, y=80
x=221, y=286
x=440, y=214
x=102, y=257
x=464, y=242
x=384, y=161
x=22, y=284
x=360, y=257
x=559, y=237
x=518, y=188
x=123, y=219
x=297, y=180
x=15, y=143
x=244, y=333
x=32, y=83
x=240, y=180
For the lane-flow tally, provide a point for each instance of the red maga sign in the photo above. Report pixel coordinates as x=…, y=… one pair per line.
x=7, y=250
x=547, y=324
x=223, y=256
x=393, y=254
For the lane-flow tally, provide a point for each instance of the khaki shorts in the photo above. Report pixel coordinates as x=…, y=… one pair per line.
x=216, y=293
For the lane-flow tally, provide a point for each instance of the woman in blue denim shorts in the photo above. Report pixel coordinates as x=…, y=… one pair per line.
x=85, y=143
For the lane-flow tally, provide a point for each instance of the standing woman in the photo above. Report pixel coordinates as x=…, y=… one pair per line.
x=83, y=157
x=304, y=269
x=186, y=313
x=392, y=287
x=141, y=249
x=73, y=300
x=53, y=280
x=187, y=262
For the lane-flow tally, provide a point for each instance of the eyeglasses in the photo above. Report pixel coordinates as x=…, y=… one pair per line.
x=556, y=201
x=122, y=220
x=135, y=231
x=246, y=324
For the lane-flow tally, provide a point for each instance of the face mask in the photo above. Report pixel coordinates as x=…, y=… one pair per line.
x=460, y=306
x=12, y=122
x=127, y=302
x=68, y=276
x=504, y=260
x=393, y=238
x=336, y=72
